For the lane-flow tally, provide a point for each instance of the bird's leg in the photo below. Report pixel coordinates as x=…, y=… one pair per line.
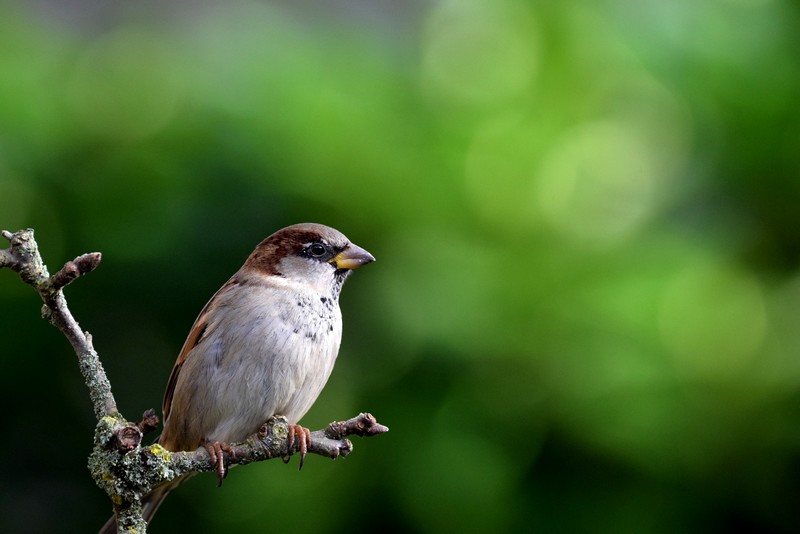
x=303, y=435
x=217, y=451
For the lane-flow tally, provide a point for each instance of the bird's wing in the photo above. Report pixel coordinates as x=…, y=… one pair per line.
x=196, y=335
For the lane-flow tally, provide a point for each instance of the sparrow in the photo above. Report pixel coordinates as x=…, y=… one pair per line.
x=264, y=345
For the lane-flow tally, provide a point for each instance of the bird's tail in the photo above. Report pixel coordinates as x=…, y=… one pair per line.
x=150, y=503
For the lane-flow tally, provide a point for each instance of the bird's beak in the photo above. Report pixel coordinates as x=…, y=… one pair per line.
x=352, y=257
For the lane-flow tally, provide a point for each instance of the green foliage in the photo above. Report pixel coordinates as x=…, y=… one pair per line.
x=584, y=312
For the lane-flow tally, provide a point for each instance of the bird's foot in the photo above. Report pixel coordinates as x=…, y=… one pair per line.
x=217, y=451
x=303, y=436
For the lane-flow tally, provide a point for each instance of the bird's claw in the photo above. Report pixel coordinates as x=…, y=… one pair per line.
x=303, y=436
x=217, y=451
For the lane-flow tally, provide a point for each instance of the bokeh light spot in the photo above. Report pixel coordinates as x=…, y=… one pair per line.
x=713, y=320
x=499, y=168
x=126, y=85
x=598, y=185
x=479, y=52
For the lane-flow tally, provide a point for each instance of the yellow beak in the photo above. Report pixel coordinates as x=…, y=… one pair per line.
x=352, y=257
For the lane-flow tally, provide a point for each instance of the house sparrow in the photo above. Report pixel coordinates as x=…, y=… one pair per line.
x=264, y=345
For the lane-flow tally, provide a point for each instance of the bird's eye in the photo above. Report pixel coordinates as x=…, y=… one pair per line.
x=317, y=250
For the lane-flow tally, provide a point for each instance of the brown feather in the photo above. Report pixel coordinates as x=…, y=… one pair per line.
x=279, y=245
x=196, y=335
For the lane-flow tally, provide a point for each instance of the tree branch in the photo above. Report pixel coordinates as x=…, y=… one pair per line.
x=24, y=258
x=127, y=471
x=119, y=464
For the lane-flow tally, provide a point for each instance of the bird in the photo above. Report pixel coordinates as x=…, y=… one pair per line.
x=264, y=345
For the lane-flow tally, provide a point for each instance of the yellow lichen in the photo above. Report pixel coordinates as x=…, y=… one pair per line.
x=108, y=420
x=158, y=450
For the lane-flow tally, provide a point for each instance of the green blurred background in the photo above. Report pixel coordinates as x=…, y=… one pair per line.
x=584, y=314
